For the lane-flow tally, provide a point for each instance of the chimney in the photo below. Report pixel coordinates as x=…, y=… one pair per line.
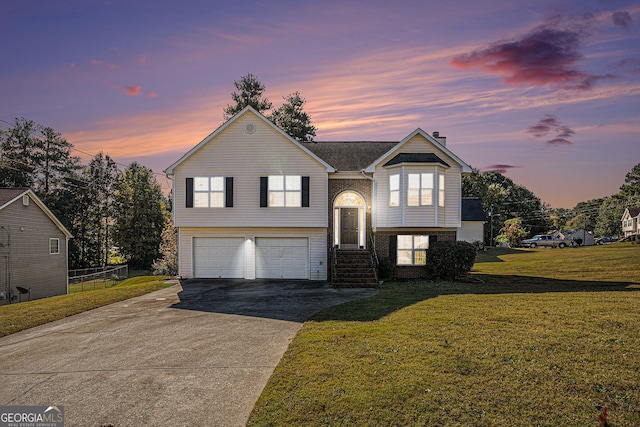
x=441, y=139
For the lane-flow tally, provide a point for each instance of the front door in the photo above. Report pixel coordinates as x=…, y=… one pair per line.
x=349, y=228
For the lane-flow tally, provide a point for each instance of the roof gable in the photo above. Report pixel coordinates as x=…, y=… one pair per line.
x=230, y=122
x=631, y=212
x=472, y=209
x=351, y=156
x=465, y=168
x=9, y=196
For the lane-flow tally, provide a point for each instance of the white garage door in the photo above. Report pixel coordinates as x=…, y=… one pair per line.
x=282, y=258
x=218, y=257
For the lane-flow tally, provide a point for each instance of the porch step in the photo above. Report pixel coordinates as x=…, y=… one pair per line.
x=354, y=269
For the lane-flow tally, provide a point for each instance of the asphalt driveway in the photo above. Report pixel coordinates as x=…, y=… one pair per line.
x=195, y=354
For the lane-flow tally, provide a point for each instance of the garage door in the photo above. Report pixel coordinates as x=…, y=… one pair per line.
x=282, y=258
x=219, y=257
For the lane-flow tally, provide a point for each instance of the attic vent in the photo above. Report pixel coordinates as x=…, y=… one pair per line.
x=25, y=200
x=250, y=128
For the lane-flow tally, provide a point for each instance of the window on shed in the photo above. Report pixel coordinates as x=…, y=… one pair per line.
x=54, y=246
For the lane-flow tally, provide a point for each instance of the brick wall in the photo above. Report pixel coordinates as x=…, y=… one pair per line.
x=406, y=271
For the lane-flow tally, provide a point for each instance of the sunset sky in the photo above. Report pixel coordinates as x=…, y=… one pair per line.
x=546, y=92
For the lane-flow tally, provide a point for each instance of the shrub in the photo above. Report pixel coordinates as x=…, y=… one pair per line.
x=448, y=260
x=386, y=268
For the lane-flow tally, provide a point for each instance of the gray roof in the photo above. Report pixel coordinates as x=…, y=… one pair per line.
x=350, y=156
x=472, y=209
x=634, y=212
x=415, y=158
x=8, y=194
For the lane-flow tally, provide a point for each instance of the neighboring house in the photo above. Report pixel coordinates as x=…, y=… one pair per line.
x=630, y=221
x=33, y=247
x=586, y=237
x=251, y=202
x=473, y=220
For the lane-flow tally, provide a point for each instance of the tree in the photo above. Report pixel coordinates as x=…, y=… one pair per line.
x=512, y=232
x=139, y=218
x=249, y=92
x=18, y=149
x=506, y=199
x=167, y=264
x=95, y=199
x=293, y=120
x=37, y=157
x=631, y=186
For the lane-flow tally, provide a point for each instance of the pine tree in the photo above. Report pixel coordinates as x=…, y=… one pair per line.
x=293, y=120
x=249, y=92
x=139, y=218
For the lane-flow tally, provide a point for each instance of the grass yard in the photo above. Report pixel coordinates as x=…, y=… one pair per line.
x=17, y=317
x=549, y=339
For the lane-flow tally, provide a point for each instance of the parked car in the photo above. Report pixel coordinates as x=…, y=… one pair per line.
x=606, y=240
x=547, y=240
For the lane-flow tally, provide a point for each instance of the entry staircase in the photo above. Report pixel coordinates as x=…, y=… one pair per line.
x=354, y=269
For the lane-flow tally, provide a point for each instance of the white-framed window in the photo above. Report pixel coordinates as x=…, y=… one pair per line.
x=412, y=250
x=419, y=189
x=394, y=190
x=54, y=246
x=441, y=190
x=285, y=190
x=208, y=192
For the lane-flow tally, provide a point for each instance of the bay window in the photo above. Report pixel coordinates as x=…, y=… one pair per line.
x=420, y=189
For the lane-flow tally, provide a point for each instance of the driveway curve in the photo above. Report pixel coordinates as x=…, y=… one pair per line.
x=196, y=354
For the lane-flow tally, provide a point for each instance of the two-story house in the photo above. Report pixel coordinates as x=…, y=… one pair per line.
x=251, y=202
x=631, y=221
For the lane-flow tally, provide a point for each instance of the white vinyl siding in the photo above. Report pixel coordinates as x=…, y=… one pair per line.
x=247, y=158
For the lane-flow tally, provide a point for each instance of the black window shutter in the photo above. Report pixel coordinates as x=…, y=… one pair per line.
x=264, y=185
x=393, y=249
x=228, y=192
x=432, y=240
x=305, y=191
x=189, y=192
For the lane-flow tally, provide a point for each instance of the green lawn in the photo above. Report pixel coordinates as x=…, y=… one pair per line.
x=549, y=339
x=17, y=317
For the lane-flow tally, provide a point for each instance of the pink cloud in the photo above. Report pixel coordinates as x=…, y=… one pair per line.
x=152, y=95
x=143, y=60
x=622, y=19
x=545, y=56
x=132, y=90
x=97, y=62
x=499, y=168
x=550, y=124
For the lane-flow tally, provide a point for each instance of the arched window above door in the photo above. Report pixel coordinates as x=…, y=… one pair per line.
x=349, y=198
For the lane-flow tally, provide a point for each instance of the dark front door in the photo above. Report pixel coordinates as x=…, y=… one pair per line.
x=349, y=227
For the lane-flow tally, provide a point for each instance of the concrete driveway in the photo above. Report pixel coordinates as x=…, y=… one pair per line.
x=195, y=354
